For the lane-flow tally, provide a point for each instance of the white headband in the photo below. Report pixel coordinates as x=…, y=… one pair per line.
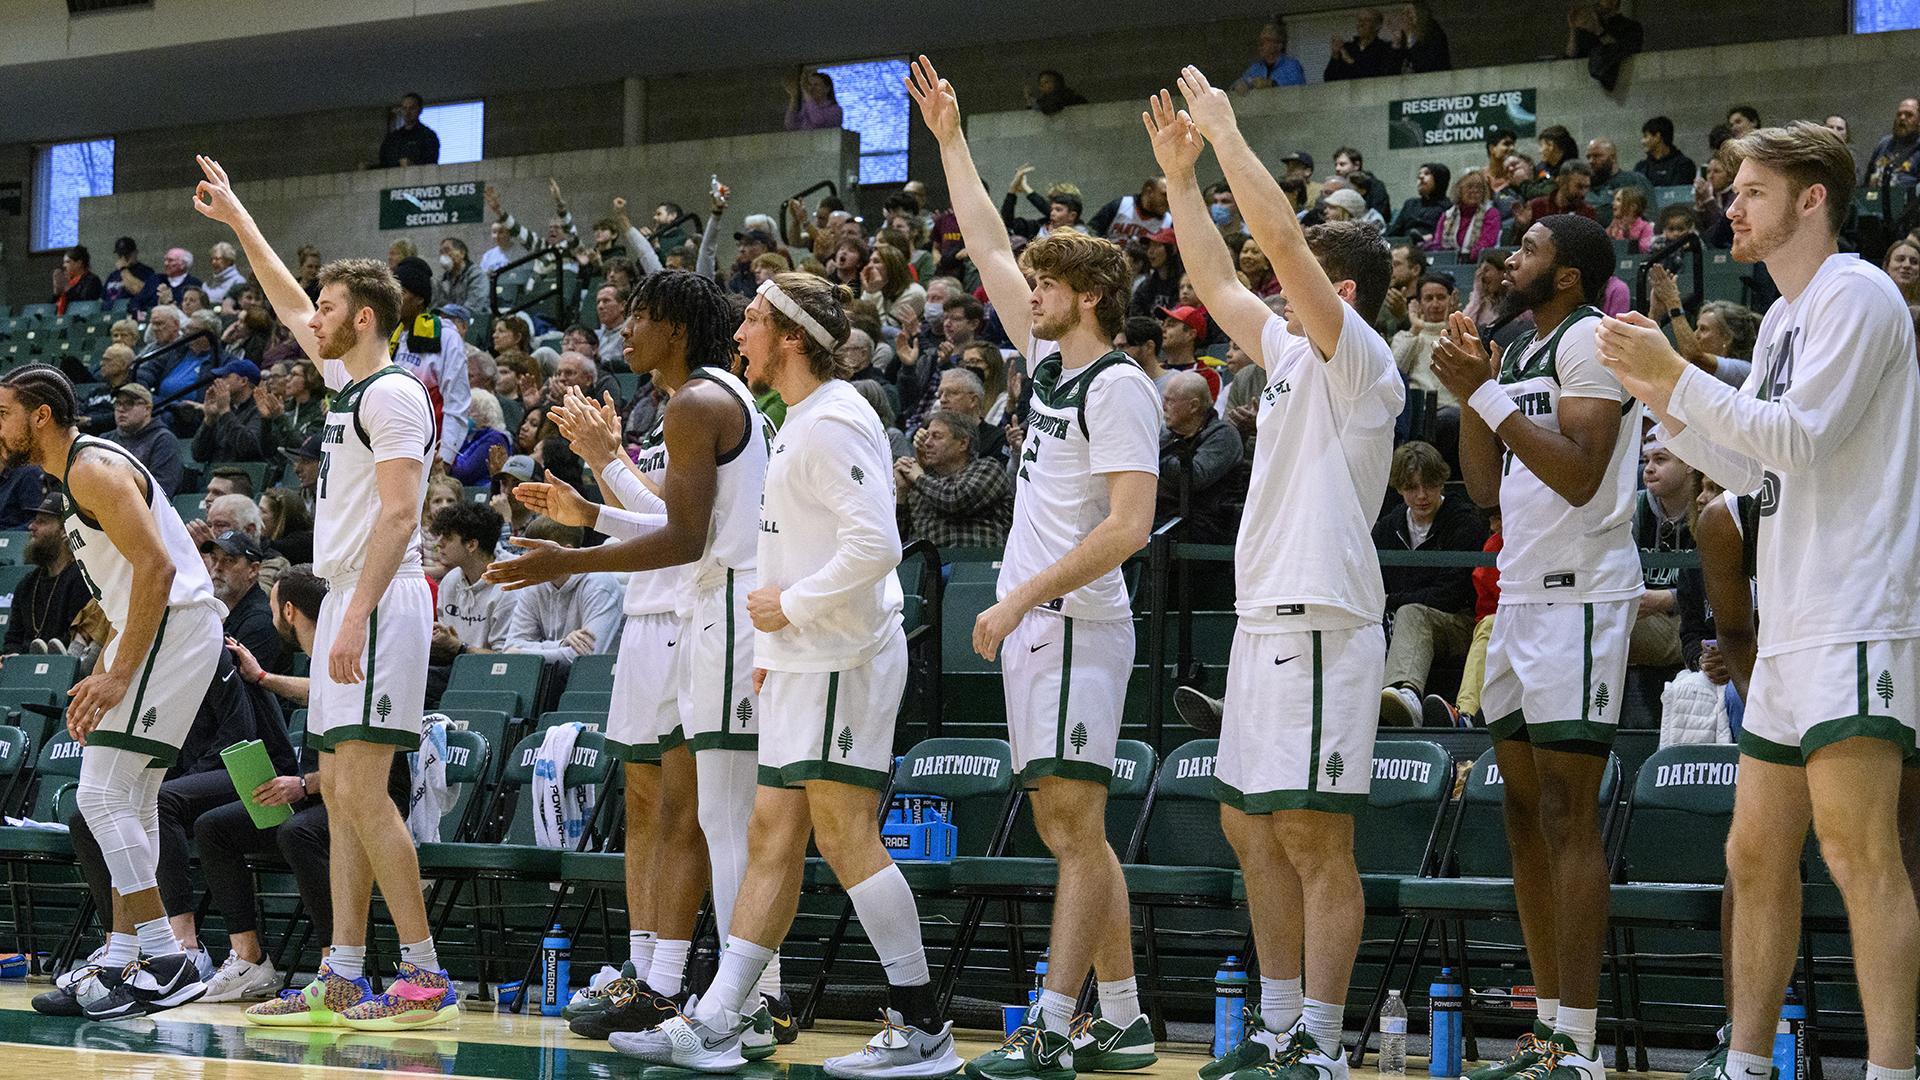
x=778, y=298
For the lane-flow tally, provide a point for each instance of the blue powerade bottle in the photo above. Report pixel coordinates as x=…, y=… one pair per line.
x=1229, y=1005
x=556, y=971
x=1444, y=1000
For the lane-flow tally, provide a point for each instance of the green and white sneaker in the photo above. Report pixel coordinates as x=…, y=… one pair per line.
x=1260, y=1045
x=1030, y=1053
x=1714, y=1064
x=1301, y=1060
x=1099, y=1046
x=598, y=994
x=1561, y=1061
x=1528, y=1050
x=757, y=1042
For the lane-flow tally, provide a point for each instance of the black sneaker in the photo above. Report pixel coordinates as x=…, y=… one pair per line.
x=64, y=998
x=146, y=986
x=1197, y=710
x=785, y=1031
x=640, y=1010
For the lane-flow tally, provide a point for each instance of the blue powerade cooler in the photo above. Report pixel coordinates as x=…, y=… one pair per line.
x=917, y=829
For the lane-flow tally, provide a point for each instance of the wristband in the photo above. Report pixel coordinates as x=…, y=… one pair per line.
x=1493, y=404
x=1676, y=314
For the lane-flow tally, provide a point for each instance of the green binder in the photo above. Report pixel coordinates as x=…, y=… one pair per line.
x=248, y=766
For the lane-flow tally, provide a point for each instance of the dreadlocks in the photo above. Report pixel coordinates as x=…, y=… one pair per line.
x=695, y=303
x=43, y=384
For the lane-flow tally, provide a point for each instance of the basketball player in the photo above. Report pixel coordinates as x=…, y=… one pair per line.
x=134, y=711
x=833, y=663
x=710, y=458
x=1551, y=438
x=370, y=648
x=1825, y=432
x=1296, y=745
x=1088, y=473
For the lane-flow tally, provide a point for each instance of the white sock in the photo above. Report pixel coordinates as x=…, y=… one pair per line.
x=1324, y=1022
x=770, y=978
x=1056, y=1012
x=421, y=954
x=884, y=904
x=668, y=971
x=1280, y=1003
x=1580, y=1025
x=640, y=951
x=122, y=949
x=1546, y=1010
x=348, y=961
x=156, y=937
x=1881, y=1072
x=1119, y=1001
x=1756, y=1066
x=733, y=984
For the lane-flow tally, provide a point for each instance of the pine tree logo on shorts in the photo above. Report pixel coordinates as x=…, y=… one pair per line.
x=845, y=741
x=1884, y=688
x=384, y=706
x=1078, y=738
x=743, y=712
x=858, y=476
x=1600, y=698
x=146, y=721
x=1336, y=765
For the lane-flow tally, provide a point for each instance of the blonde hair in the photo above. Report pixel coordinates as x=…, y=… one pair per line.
x=1085, y=264
x=1806, y=154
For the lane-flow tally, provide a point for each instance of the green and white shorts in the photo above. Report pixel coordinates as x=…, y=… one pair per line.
x=159, y=708
x=718, y=707
x=1803, y=700
x=385, y=705
x=1066, y=685
x=1302, y=710
x=1556, y=673
x=645, y=716
x=833, y=725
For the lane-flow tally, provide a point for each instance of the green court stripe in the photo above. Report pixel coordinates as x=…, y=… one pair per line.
x=726, y=688
x=153, y=654
x=1313, y=750
x=826, y=728
x=1066, y=683
x=1860, y=671
x=1586, y=660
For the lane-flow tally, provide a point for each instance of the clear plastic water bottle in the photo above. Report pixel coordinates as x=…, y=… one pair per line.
x=1229, y=1006
x=556, y=971
x=1393, y=1036
x=1445, y=997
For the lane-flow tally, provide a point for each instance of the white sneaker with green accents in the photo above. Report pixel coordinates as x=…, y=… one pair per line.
x=1099, y=1046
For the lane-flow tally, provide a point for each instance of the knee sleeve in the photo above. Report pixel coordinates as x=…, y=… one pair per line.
x=118, y=795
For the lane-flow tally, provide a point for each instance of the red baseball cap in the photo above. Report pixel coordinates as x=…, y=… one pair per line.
x=1164, y=236
x=1194, y=317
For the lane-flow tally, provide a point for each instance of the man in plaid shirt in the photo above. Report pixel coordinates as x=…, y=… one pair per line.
x=952, y=497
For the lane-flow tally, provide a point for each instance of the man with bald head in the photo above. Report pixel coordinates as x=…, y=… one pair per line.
x=1200, y=475
x=1603, y=157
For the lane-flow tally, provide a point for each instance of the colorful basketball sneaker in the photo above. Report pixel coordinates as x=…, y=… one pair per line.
x=416, y=998
x=317, y=1004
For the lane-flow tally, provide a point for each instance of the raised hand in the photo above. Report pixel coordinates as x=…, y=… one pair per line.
x=493, y=200
x=556, y=499
x=1461, y=361
x=1637, y=353
x=1207, y=104
x=1020, y=185
x=593, y=431
x=1176, y=141
x=939, y=105
x=214, y=196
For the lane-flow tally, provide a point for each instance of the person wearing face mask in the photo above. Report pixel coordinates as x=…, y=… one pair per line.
x=460, y=281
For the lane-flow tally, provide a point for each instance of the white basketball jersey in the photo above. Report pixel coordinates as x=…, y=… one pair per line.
x=108, y=573
x=733, y=540
x=377, y=418
x=654, y=592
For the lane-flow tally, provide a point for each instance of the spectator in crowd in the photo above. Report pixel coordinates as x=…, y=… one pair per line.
x=1054, y=94
x=1271, y=66
x=989, y=365
x=130, y=275
x=1712, y=197
x=474, y=613
x=1663, y=166
x=1511, y=194
x=1902, y=264
x=962, y=392
x=487, y=429
x=1629, y=219
x=562, y=236
x=46, y=602
x=512, y=334
x=1062, y=206
x=75, y=280
x=308, y=274
x=1743, y=120
x=898, y=445
x=178, y=377
x=1429, y=608
x=1373, y=193
x=1420, y=216
x=231, y=427
x=1224, y=210
x=1257, y=270
x=425, y=345
x=224, y=276
x=1413, y=347
x=233, y=562
x=1181, y=329
x=21, y=485
x=286, y=526
x=1569, y=196
x=408, y=141
x=813, y=107
x=176, y=273
x=610, y=338
x=1556, y=147
x=848, y=261
x=149, y=440
x=1661, y=515
x=1299, y=166
x=460, y=282
x=1409, y=262
x=1140, y=338
x=1200, y=454
x=888, y=283
x=1896, y=157
x=1721, y=344
x=305, y=462
x=193, y=299
x=952, y=496
x=291, y=398
x=1603, y=162
x=753, y=244
x=1366, y=54
x=235, y=511
x=1676, y=221
x=116, y=371
x=1489, y=287
x=1159, y=286
x=256, y=333
x=506, y=248
x=1471, y=225
x=1421, y=42
x=1499, y=143
x=1136, y=216
x=125, y=332
x=224, y=480
x=1604, y=38
x=1344, y=204
x=572, y=615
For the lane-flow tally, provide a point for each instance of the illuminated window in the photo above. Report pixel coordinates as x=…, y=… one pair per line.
x=63, y=174
x=873, y=101
x=1874, y=16
x=460, y=126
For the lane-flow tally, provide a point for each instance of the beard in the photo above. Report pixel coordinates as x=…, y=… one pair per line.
x=339, y=343
x=24, y=453
x=761, y=376
x=1521, y=298
x=1055, y=327
x=42, y=551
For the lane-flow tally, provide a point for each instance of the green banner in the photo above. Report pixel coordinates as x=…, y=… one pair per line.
x=1459, y=119
x=432, y=204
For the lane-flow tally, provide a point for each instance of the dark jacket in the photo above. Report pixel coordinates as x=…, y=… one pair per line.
x=234, y=710
x=158, y=448
x=1207, y=465
x=45, y=607
x=1457, y=526
x=418, y=145
x=239, y=434
x=1670, y=171
x=87, y=287
x=251, y=624
x=1419, y=215
x=21, y=490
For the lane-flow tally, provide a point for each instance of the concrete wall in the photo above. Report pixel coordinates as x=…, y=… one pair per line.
x=339, y=211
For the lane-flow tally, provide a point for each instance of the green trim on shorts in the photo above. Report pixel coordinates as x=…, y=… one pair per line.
x=1566, y=736
x=1066, y=684
x=373, y=653
x=1586, y=661
x=726, y=692
x=827, y=717
x=1861, y=707
x=1828, y=732
x=718, y=740
x=1761, y=749
x=146, y=672
x=671, y=739
x=163, y=755
x=1268, y=802
x=634, y=753
x=1313, y=747
x=1511, y=726
x=326, y=742
x=1066, y=769
x=801, y=772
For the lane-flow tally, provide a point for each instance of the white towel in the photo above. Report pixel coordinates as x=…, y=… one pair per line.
x=429, y=798
x=559, y=812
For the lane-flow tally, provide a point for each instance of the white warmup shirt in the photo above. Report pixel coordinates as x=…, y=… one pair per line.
x=1824, y=430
